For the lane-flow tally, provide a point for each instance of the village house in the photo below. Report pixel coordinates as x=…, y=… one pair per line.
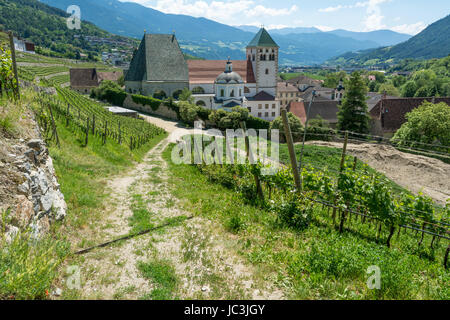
x=83, y=80
x=23, y=46
x=389, y=113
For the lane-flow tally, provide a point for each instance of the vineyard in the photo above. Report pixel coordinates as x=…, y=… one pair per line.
x=354, y=196
x=90, y=118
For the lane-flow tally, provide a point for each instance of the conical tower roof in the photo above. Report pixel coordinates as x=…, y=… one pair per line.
x=262, y=39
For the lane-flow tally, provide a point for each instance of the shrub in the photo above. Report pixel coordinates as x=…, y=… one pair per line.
x=111, y=92
x=188, y=112
x=294, y=123
x=257, y=123
x=295, y=211
x=146, y=101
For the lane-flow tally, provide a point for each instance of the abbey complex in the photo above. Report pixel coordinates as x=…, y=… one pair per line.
x=158, y=68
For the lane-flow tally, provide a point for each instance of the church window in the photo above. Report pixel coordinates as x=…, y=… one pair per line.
x=222, y=92
x=267, y=71
x=240, y=92
x=198, y=90
x=232, y=93
x=253, y=57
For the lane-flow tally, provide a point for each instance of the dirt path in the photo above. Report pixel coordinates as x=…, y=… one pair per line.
x=201, y=254
x=414, y=172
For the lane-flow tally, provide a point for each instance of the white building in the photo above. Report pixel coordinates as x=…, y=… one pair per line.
x=251, y=84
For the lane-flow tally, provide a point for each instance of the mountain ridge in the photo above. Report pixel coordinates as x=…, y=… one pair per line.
x=206, y=38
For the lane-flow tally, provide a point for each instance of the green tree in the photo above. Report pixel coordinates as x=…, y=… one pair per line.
x=186, y=95
x=294, y=123
x=429, y=123
x=409, y=89
x=352, y=115
x=389, y=89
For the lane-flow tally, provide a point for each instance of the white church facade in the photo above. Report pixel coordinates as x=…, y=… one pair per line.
x=215, y=84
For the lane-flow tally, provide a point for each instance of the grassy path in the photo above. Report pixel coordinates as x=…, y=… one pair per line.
x=192, y=259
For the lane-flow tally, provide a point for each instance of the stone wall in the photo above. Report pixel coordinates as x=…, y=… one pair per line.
x=162, y=111
x=30, y=196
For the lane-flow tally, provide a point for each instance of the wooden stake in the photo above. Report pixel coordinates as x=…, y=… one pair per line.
x=290, y=143
x=13, y=57
x=87, y=132
x=344, y=151
x=251, y=159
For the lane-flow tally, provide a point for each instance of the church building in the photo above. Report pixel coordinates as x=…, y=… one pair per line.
x=159, y=69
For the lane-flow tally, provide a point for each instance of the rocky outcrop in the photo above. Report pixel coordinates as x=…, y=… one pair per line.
x=32, y=197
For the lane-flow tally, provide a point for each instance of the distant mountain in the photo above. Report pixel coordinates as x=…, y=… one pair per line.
x=206, y=38
x=283, y=31
x=382, y=37
x=433, y=42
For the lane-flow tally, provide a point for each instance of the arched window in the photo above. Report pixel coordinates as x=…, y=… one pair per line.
x=232, y=93
x=176, y=94
x=267, y=71
x=159, y=94
x=222, y=92
x=240, y=92
x=246, y=90
x=198, y=90
x=201, y=103
x=253, y=57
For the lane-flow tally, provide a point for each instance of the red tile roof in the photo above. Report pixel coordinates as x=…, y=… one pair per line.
x=392, y=112
x=206, y=71
x=298, y=109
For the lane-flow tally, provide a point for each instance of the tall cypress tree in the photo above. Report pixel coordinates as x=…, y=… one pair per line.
x=352, y=115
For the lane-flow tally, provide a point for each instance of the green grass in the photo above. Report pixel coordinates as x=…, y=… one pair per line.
x=162, y=275
x=317, y=262
x=140, y=220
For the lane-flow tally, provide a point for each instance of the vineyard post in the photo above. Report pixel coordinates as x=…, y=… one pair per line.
x=344, y=151
x=120, y=135
x=13, y=57
x=341, y=168
x=68, y=115
x=446, y=256
x=355, y=163
x=290, y=143
x=104, y=134
x=55, y=133
x=93, y=124
x=87, y=132
x=252, y=160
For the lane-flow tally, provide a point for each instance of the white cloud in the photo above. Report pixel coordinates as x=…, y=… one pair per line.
x=229, y=12
x=332, y=9
x=412, y=29
x=324, y=28
x=374, y=18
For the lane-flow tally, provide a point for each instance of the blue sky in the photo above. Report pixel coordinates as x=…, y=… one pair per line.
x=406, y=16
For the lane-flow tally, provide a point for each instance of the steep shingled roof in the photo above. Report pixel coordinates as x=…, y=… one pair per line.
x=159, y=58
x=262, y=39
x=298, y=109
x=392, y=111
x=326, y=109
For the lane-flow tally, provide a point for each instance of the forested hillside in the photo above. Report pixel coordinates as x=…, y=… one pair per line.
x=47, y=28
x=433, y=42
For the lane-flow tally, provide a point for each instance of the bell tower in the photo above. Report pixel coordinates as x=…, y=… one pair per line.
x=263, y=53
